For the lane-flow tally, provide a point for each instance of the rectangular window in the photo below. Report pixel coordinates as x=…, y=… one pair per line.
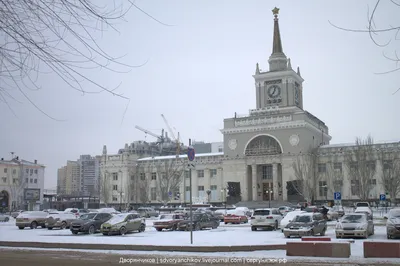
x=27, y=171
x=31, y=171
x=322, y=168
x=187, y=174
x=355, y=187
x=14, y=181
x=214, y=193
x=213, y=172
x=14, y=171
x=267, y=172
x=371, y=165
x=353, y=166
x=36, y=171
x=323, y=189
x=115, y=187
x=132, y=177
x=200, y=173
x=115, y=176
x=142, y=176
x=31, y=180
x=26, y=180
x=35, y=181
x=200, y=188
x=114, y=198
x=153, y=176
x=153, y=193
x=372, y=182
x=5, y=170
x=4, y=179
x=337, y=167
x=201, y=191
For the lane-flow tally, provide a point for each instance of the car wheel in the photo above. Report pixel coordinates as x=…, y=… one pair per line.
x=253, y=228
x=63, y=225
x=226, y=223
x=34, y=225
x=142, y=228
x=91, y=230
x=323, y=232
x=174, y=227
x=7, y=219
x=105, y=234
x=197, y=227
x=389, y=236
x=74, y=232
x=49, y=228
x=215, y=226
x=311, y=232
x=122, y=231
x=159, y=229
x=21, y=228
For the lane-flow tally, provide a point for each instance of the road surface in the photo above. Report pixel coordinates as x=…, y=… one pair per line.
x=73, y=258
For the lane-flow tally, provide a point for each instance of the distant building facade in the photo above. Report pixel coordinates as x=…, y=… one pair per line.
x=79, y=178
x=278, y=151
x=21, y=184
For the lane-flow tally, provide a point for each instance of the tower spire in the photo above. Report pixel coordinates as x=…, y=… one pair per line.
x=277, y=60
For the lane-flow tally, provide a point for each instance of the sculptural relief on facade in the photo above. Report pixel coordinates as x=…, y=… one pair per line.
x=263, y=145
x=261, y=121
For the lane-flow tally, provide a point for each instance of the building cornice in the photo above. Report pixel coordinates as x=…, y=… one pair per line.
x=284, y=75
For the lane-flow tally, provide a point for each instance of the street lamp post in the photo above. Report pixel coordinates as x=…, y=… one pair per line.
x=269, y=197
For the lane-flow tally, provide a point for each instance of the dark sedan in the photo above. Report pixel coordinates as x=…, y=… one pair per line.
x=89, y=223
x=199, y=222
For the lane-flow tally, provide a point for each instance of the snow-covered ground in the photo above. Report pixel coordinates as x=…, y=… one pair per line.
x=225, y=235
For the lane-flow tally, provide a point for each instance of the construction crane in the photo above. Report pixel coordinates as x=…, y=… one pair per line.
x=160, y=139
x=177, y=140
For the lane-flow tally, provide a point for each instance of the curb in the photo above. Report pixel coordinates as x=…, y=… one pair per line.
x=142, y=247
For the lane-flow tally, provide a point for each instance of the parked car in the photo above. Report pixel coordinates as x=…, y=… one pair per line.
x=235, y=217
x=285, y=209
x=90, y=222
x=245, y=210
x=16, y=213
x=354, y=225
x=185, y=211
x=266, y=218
x=59, y=220
x=147, y=212
x=31, y=219
x=393, y=223
x=4, y=217
x=123, y=223
x=289, y=217
x=168, y=221
x=332, y=214
x=220, y=214
x=50, y=210
x=362, y=204
x=339, y=209
x=76, y=212
x=366, y=210
x=311, y=209
x=199, y=222
x=108, y=210
x=306, y=224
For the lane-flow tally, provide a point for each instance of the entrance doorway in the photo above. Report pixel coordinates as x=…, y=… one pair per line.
x=4, y=201
x=268, y=188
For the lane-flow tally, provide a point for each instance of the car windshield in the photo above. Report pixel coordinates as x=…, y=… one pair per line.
x=394, y=214
x=302, y=219
x=261, y=212
x=117, y=218
x=167, y=217
x=197, y=217
x=87, y=216
x=353, y=218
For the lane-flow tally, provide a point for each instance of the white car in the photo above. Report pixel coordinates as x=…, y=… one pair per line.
x=393, y=223
x=285, y=209
x=289, y=217
x=245, y=210
x=366, y=210
x=354, y=225
x=266, y=218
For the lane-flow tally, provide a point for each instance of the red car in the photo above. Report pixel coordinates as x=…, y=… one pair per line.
x=235, y=217
x=168, y=221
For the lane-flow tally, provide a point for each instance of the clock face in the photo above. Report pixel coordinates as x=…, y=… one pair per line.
x=274, y=91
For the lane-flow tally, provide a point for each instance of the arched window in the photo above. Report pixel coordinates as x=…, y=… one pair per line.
x=263, y=145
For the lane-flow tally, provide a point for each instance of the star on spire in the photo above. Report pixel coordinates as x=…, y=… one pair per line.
x=275, y=11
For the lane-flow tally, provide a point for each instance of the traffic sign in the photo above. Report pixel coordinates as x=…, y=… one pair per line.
x=170, y=194
x=382, y=197
x=337, y=195
x=191, y=153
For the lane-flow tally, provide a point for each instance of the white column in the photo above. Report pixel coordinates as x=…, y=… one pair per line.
x=275, y=180
x=254, y=181
x=244, y=186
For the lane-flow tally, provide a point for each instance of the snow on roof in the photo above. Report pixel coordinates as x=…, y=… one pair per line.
x=18, y=162
x=183, y=156
x=339, y=145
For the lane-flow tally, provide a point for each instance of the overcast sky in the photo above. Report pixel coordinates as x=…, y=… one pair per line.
x=199, y=71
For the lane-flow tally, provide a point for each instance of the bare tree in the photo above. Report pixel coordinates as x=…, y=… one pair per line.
x=60, y=37
x=390, y=172
x=335, y=176
x=169, y=174
x=144, y=186
x=361, y=164
x=130, y=187
x=390, y=32
x=305, y=171
x=105, y=188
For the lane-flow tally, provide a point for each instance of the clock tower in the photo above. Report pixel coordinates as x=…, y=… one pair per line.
x=281, y=86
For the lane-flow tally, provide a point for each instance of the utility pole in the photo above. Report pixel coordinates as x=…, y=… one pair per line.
x=191, y=156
